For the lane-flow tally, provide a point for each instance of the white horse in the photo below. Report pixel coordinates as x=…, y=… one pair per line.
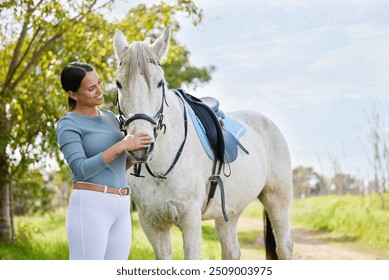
x=180, y=199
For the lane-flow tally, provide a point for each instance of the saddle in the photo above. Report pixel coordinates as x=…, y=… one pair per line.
x=223, y=144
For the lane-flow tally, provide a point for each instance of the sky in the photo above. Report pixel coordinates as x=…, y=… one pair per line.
x=318, y=69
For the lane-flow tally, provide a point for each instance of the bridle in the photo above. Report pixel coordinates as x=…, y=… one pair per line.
x=157, y=122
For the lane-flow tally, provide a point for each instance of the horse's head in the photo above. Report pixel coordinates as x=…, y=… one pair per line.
x=141, y=86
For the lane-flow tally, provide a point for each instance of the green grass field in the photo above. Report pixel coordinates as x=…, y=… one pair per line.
x=358, y=218
x=355, y=217
x=44, y=238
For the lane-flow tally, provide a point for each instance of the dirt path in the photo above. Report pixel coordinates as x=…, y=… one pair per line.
x=317, y=245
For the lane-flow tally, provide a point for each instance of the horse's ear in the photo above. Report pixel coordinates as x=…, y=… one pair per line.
x=119, y=44
x=161, y=45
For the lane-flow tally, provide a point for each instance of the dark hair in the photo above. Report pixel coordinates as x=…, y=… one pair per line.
x=71, y=78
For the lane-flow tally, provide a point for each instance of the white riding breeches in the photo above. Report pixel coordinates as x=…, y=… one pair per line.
x=98, y=226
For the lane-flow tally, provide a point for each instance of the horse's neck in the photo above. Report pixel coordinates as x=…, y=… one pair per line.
x=174, y=116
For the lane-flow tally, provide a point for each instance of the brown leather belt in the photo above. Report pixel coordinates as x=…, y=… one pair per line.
x=100, y=188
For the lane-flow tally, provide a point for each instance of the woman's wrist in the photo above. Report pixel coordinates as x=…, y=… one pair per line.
x=111, y=153
x=121, y=147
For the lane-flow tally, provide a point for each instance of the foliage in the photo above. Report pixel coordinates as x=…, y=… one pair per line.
x=356, y=217
x=31, y=194
x=26, y=231
x=61, y=181
x=37, y=38
x=38, y=237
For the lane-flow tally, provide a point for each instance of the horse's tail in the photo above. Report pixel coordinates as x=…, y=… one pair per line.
x=269, y=238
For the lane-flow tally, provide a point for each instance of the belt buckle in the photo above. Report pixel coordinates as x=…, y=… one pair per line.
x=120, y=191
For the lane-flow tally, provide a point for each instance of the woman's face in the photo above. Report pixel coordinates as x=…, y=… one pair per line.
x=90, y=93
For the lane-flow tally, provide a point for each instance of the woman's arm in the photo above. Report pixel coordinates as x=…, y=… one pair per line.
x=69, y=141
x=131, y=142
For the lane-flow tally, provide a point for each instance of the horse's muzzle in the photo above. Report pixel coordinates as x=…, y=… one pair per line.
x=142, y=155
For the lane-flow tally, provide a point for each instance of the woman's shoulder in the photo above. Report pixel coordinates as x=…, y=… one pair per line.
x=67, y=121
x=64, y=119
x=107, y=113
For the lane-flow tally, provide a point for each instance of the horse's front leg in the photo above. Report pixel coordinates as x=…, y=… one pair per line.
x=190, y=225
x=159, y=238
x=228, y=237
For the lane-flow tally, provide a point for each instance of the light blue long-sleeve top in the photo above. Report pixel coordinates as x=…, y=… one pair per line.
x=83, y=140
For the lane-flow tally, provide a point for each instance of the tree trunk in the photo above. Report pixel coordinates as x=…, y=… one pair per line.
x=5, y=214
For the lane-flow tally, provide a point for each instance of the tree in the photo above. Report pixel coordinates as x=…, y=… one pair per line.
x=37, y=38
x=346, y=184
x=307, y=182
x=31, y=194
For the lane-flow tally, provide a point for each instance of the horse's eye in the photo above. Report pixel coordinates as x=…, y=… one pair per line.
x=119, y=85
x=160, y=84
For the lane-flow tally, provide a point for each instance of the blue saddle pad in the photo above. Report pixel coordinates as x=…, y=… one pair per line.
x=232, y=131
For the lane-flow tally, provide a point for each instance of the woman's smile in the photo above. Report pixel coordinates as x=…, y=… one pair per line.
x=100, y=96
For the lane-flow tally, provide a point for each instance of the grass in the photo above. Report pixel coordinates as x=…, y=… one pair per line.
x=359, y=218
x=44, y=238
x=39, y=237
x=210, y=246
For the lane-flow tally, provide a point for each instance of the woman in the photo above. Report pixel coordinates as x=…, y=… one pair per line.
x=98, y=219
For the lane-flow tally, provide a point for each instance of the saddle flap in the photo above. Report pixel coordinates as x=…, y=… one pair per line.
x=231, y=147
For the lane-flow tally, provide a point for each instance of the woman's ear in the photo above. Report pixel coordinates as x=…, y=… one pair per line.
x=72, y=95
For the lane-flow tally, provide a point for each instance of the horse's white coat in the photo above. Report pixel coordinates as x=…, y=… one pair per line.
x=264, y=174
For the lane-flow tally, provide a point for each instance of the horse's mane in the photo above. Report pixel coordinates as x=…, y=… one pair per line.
x=136, y=58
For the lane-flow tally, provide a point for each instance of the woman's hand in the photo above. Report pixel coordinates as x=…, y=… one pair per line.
x=135, y=141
